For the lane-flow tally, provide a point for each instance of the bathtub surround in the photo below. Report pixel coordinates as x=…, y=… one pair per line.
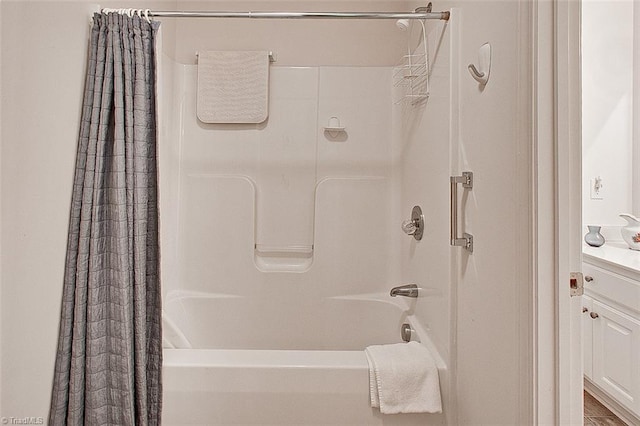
x=355, y=191
x=109, y=357
x=297, y=266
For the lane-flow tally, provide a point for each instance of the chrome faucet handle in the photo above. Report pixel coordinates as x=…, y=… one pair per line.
x=415, y=225
x=409, y=227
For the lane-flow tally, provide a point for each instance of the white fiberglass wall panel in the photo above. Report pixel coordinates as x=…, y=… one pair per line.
x=247, y=190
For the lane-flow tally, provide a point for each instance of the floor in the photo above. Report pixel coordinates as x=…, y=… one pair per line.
x=596, y=414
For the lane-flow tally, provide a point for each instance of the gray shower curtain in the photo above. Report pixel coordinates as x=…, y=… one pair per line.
x=109, y=356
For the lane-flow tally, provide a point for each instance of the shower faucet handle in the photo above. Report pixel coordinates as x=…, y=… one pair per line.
x=415, y=225
x=410, y=227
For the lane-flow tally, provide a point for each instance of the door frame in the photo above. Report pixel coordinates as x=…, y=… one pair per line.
x=558, y=219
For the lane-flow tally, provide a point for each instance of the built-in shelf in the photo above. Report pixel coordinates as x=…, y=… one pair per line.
x=283, y=258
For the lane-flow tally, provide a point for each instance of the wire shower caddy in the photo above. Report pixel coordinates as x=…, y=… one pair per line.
x=411, y=75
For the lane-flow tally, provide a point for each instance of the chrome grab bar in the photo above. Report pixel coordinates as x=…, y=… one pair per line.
x=466, y=240
x=408, y=290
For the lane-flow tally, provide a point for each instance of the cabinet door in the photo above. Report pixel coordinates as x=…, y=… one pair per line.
x=587, y=332
x=616, y=354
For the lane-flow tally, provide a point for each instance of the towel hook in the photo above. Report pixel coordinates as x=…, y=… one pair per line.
x=475, y=73
x=482, y=71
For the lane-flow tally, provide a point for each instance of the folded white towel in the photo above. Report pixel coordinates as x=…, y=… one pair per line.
x=233, y=87
x=403, y=378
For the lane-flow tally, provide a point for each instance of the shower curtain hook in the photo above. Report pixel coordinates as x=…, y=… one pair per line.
x=146, y=15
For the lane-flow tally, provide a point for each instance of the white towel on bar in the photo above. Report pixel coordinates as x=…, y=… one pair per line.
x=233, y=87
x=403, y=378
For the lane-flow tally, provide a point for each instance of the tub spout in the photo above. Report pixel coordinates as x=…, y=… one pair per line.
x=408, y=290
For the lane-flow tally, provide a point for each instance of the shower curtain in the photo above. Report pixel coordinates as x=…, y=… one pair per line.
x=109, y=356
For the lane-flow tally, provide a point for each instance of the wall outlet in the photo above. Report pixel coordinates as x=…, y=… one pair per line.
x=597, y=188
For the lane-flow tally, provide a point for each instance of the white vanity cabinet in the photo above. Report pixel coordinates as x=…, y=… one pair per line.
x=587, y=336
x=616, y=355
x=611, y=327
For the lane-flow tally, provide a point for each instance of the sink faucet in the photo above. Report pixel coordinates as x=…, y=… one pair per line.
x=408, y=290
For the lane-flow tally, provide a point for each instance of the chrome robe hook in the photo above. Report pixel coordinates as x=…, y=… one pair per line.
x=482, y=71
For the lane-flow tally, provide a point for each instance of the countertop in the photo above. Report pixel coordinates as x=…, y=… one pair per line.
x=615, y=256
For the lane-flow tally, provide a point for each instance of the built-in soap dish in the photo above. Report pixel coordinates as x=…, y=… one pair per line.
x=283, y=258
x=335, y=130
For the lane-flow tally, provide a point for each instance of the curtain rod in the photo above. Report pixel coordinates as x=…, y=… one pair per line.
x=301, y=15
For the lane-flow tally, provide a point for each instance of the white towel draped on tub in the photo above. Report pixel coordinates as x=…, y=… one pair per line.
x=233, y=87
x=403, y=378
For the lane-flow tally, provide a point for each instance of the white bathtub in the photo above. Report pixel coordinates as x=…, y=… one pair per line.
x=293, y=365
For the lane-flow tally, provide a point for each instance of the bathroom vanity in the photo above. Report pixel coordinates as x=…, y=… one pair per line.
x=611, y=327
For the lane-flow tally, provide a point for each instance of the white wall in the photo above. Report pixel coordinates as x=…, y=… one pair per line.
x=490, y=135
x=0, y=209
x=296, y=42
x=42, y=81
x=481, y=313
x=607, y=99
x=44, y=48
